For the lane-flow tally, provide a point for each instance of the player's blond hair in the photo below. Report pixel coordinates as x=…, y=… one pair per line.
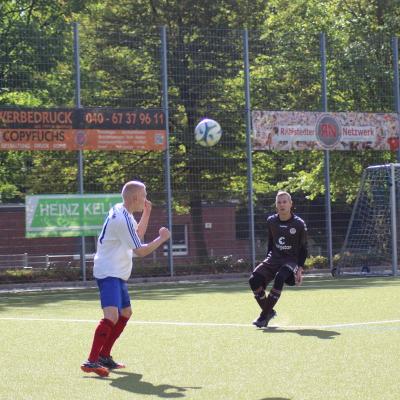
x=283, y=193
x=131, y=187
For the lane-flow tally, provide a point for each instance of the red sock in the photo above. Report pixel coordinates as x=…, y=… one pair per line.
x=101, y=335
x=118, y=328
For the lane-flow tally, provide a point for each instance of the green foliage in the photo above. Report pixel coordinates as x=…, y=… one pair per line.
x=226, y=264
x=35, y=70
x=71, y=271
x=321, y=262
x=64, y=274
x=316, y=262
x=120, y=65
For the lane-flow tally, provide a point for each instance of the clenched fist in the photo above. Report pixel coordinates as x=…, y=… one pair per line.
x=164, y=233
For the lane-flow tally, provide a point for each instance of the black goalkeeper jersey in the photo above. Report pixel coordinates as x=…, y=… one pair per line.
x=287, y=240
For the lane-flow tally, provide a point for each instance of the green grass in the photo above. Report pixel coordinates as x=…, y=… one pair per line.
x=332, y=339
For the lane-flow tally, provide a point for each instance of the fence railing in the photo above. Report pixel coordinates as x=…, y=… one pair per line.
x=46, y=261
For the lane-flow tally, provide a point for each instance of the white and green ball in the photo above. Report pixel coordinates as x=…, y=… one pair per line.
x=208, y=132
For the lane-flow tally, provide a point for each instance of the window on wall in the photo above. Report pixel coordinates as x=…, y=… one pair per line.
x=91, y=244
x=179, y=241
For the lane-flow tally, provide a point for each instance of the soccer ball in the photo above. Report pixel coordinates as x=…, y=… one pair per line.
x=208, y=132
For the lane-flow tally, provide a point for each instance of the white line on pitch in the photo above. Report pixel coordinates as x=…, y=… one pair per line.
x=209, y=324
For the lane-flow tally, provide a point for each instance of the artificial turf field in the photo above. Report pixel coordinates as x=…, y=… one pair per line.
x=332, y=339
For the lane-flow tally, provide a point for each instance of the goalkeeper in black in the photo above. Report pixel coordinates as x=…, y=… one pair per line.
x=286, y=254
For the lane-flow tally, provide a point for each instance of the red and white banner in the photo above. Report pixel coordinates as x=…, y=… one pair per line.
x=295, y=130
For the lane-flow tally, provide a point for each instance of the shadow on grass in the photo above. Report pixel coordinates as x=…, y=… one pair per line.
x=171, y=291
x=159, y=292
x=133, y=383
x=319, y=333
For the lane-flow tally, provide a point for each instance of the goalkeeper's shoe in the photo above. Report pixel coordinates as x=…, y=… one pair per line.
x=109, y=363
x=95, y=367
x=263, y=320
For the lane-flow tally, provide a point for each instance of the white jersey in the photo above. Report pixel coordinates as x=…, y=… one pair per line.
x=114, y=247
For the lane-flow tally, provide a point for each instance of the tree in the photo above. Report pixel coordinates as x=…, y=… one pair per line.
x=120, y=62
x=35, y=70
x=205, y=78
x=286, y=76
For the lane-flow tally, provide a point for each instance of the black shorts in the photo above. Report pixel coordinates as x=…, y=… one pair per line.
x=269, y=271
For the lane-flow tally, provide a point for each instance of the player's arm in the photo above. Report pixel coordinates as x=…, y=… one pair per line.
x=148, y=248
x=128, y=234
x=302, y=256
x=144, y=220
x=270, y=244
x=298, y=277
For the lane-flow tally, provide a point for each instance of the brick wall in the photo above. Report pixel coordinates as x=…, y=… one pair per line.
x=218, y=224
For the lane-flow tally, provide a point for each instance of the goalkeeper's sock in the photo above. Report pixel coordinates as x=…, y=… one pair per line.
x=116, y=332
x=271, y=300
x=262, y=302
x=101, y=334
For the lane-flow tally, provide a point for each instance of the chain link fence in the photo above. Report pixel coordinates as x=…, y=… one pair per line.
x=211, y=189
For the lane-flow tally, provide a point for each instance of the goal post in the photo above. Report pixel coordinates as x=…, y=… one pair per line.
x=370, y=246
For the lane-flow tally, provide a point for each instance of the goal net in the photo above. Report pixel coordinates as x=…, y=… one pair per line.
x=370, y=245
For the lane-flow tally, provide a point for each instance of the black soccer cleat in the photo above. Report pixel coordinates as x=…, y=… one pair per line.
x=109, y=363
x=263, y=320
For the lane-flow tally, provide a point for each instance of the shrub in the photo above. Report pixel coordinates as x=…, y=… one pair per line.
x=226, y=264
x=41, y=275
x=316, y=262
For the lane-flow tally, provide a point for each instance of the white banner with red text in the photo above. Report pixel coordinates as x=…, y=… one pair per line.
x=296, y=130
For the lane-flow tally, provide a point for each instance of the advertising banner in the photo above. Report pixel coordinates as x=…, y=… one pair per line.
x=295, y=130
x=82, y=129
x=67, y=215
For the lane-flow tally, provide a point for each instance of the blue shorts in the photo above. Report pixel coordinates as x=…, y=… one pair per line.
x=113, y=293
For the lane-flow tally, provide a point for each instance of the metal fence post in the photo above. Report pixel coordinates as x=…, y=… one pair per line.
x=80, y=152
x=248, y=145
x=396, y=92
x=164, y=69
x=396, y=88
x=326, y=154
x=393, y=221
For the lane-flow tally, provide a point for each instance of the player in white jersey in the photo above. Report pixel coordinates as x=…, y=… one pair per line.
x=120, y=237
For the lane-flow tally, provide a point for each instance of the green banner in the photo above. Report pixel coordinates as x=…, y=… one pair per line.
x=67, y=215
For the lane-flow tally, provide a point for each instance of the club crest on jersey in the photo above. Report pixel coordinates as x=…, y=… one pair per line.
x=292, y=231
